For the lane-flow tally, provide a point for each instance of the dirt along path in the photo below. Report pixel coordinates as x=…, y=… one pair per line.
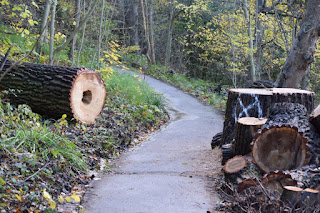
x=171, y=171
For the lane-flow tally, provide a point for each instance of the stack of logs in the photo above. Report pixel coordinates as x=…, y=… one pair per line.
x=270, y=139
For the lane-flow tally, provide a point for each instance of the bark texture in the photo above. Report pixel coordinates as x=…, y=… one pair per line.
x=302, y=52
x=56, y=90
x=246, y=128
x=256, y=102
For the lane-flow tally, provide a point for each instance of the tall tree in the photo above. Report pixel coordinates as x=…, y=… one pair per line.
x=246, y=12
x=131, y=18
x=302, y=51
x=169, y=33
x=100, y=32
x=152, y=50
x=43, y=24
x=53, y=15
x=144, y=9
x=74, y=40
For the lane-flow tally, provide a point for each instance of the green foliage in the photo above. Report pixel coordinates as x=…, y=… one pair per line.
x=135, y=90
x=204, y=90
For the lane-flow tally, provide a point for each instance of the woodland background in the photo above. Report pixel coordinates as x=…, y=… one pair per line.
x=230, y=42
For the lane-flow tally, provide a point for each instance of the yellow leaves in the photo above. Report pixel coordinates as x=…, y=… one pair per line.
x=19, y=198
x=68, y=199
x=46, y=195
x=76, y=197
x=52, y=204
x=60, y=199
x=2, y=182
x=59, y=36
x=4, y=2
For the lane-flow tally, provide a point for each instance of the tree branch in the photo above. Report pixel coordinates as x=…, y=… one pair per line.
x=20, y=60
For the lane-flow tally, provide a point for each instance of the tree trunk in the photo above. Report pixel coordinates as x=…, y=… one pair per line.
x=53, y=14
x=144, y=9
x=56, y=90
x=43, y=25
x=100, y=33
x=302, y=52
x=153, y=54
x=74, y=40
x=169, y=34
x=246, y=128
x=256, y=102
x=253, y=70
x=132, y=22
x=82, y=34
x=282, y=143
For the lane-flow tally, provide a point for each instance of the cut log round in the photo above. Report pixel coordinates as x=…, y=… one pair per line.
x=246, y=128
x=281, y=144
x=280, y=148
x=235, y=164
x=256, y=102
x=57, y=90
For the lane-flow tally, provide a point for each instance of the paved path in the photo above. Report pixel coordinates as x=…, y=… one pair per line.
x=169, y=172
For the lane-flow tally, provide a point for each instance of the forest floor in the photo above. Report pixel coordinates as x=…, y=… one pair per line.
x=175, y=170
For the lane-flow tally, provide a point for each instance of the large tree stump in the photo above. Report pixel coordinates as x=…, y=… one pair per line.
x=282, y=142
x=57, y=90
x=256, y=102
x=246, y=128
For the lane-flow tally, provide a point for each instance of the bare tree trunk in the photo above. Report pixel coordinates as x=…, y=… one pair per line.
x=43, y=25
x=82, y=34
x=74, y=40
x=53, y=14
x=253, y=70
x=259, y=38
x=132, y=21
x=100, y=33
x=144, y=8
x=153, y=54
x=302, y=52
x=169, y=36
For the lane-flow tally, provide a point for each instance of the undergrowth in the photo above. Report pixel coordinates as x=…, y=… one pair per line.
x=206, y=91
x=46, y=162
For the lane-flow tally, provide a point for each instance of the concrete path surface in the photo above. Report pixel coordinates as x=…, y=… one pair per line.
x=170, y=172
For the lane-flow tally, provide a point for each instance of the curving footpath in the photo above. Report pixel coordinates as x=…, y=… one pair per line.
x=170, y=172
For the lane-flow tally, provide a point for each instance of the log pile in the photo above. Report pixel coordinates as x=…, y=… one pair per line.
x=282, y=152
x=56, y=90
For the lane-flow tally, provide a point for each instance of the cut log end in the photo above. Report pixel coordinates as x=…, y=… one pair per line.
x=279, y=148
x=87, y=96
x=235, y=164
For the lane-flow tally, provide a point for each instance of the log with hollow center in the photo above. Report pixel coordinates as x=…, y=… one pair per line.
x=56, y=90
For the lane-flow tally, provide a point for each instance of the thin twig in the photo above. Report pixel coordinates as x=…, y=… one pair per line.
x=37, y=171
x=3, y=61
x=27, y=55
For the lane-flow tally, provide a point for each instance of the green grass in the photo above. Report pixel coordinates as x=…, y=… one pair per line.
x=203, y=90
x=135, y=90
